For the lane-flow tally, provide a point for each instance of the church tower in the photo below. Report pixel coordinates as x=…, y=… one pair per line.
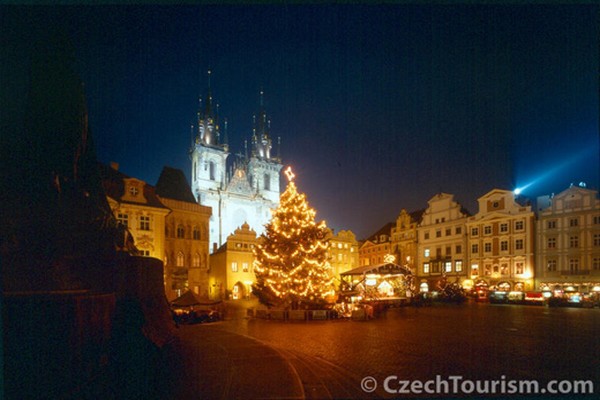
x=239, y=192
x=209, y=154
x=264, y=167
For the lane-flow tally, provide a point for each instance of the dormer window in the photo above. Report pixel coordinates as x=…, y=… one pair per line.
x=133, y=191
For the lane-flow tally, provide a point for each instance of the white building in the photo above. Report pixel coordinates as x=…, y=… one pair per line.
x=243, y=191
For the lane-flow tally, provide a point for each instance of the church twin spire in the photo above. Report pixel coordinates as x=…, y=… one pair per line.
x=208, y=129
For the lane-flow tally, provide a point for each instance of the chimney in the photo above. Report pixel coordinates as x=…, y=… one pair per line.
x=215, y=247
x=114, y=165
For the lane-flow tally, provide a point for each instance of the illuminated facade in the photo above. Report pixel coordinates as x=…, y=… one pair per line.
x=136, y=206
x=568, y=242
x=231, y=271
x=343, y=253
x=373, y=250
x=243, y=192
x=186, y=236
x=502, y=243
x=404, y=239
x=442, y=243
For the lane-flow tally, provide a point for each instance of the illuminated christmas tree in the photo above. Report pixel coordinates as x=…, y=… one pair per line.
x=290, y=263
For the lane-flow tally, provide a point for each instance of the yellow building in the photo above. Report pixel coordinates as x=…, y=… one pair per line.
x=502, y=242
x=136, y=206
x=186, y=236
x=373, y=250
x=404, y=239
x=442, y=243
x=231, y=271
x=343, y=253
x=568, y=242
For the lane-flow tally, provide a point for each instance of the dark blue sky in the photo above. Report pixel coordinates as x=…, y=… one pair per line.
x=378, y=107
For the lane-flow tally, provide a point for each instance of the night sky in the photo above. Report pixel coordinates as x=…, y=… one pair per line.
x=378, y=107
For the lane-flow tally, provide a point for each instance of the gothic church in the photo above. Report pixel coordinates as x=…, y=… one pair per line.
x=243, y=190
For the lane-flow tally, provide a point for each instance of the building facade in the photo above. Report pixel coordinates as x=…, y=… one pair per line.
x=374, y=249
x=186, y=236
x=568, y=242
x=502, y=243
x=442, y=243
x=243, y=191
x=343, y=253
x=138, y=210
x=404, y=238
x=231, y=266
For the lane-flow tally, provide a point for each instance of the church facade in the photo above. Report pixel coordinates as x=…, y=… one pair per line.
x=239, y=191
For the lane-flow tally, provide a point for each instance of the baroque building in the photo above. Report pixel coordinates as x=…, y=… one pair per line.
x=231, y=266
x=405, y=239
x=568, y=241
x=238, y=191
x=376, y=247
x=502, y=242
x=442, y=243
x=138, y=210
x=186, y=236
x=343, y=253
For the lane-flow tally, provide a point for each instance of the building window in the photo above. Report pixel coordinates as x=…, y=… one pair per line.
x=145, y=253
x=519, y=268
x=573, y=222
x=458, y=249
x=211, y=170
x=574, y=241
x=487, y=230
x=448, y=232
x=519, y=225
x=234, y=267
x=180, y=260
x=448, y=266
x=144, y=223
x=551, y=224
x=487, y=247
x=596, y=264
x=551, y=265
x=123, y=219
x=596, y=219
x=487, y=270
x=504, y=269
x=438, y=252
x=474, y=231
x=133, y=191
x=180, y=232
x=458, y=265
x=438, y=233
x=196, y=261
x=551, y=243
x=574, y=265
x=596, y=239
x=474, y=248
x=504, y=228
x=435, y=267
x=245, y=267
x=474, y=269
x=426, y=252
x=426, y=235
x=425, y=268
x=267, y=182
x=519, y=244
x=448, y=250
x=458, y=230
x=504, y=245
x=196, y=233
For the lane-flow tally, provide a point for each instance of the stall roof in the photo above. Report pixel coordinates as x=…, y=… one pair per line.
x=382, y=269
x=189, y=299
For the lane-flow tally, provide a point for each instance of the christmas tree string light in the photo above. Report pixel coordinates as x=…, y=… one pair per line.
x=291, y=260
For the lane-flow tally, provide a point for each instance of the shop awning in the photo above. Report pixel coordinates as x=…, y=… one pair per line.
x=381, y=269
